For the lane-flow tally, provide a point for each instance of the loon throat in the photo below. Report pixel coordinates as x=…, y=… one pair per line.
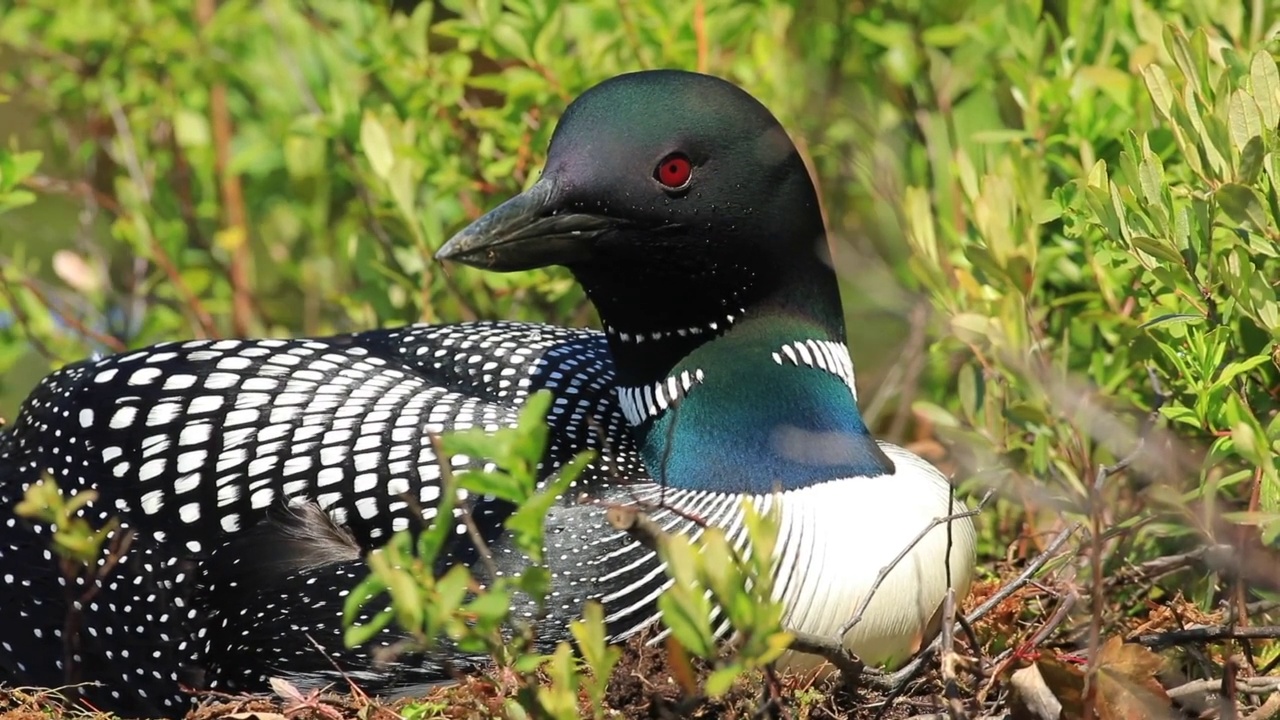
x=653, y=320
x=764, y=406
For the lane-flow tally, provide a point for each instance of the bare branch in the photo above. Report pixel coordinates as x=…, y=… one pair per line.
x=884, y=571
x=897, y=681
x=1207, y=634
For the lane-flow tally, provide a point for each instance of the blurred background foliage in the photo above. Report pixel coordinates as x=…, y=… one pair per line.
x=1052, y=217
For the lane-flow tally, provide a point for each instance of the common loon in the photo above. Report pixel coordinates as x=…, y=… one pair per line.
x=255, y=474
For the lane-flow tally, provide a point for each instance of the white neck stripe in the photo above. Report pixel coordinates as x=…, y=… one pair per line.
x=833, y=357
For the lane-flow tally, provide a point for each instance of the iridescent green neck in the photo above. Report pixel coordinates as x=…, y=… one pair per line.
x=768, y=404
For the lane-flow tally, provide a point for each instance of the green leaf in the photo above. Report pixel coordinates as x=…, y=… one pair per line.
x=1235, y=369
x=528, y=521
x=591, y=636
x=19, y=166
x=507, y=37
x=490, y=607
x=1243, y=119
x=1160, y=89
x=406, y=600
x=357, y=635
x=719, y=682
x=693, y=635
x=1250, y=161
x=452, y=588
x=431, y=540
x=1151, y=177
x=191, y=128
x=1160, y=249
x=1269, y=315
x=1265, y=78
x=496, y=483
x=1172, y=318
x=368, y=588
x=376, y=145
x=1242, y=204
x=972, y=327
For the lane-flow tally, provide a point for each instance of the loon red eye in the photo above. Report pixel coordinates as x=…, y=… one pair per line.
x=674, y=171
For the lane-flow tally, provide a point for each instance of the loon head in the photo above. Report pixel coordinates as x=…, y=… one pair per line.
x=681, y=205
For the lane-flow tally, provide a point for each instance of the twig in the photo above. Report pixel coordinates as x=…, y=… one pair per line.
x=1206, y=634
x=1229, y=691
x=914, y=352
x=23, y=322
x=232, y=193
x=950, y=659
x=108, y=341
x=1059, y=615
x=1244, y=548
x=464, y=511
x=1267, y=711
x=1249, y=686
x=351, y=684
x=1097, y=599
x=160, y=256
x=832, y=651
x=884, y=571
x=1154, y=569
x=896, y=681
x=700, y=33
x=49, y=185
x=773, y=705
x=1011, y=655
x=637, y=524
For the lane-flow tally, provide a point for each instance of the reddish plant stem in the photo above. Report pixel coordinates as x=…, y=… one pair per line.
x=232, y=193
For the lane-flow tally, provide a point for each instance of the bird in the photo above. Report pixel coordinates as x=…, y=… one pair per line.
x=253, y=475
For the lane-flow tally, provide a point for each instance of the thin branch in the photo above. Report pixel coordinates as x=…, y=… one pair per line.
x=1156, y=568
x=1097, y=581
x=897, y=681
x=884, y=571
x=125, y=133
x=24, y=322
x=849, y=665
x=915, y=353
x=464, y=508
x=351, y=684
x=232, y=192
x=1250, y=686
x=1206, y=634
x=638, y=525
x=951, y=659
x=110, y=342
x=700, y=33
x=77, y=188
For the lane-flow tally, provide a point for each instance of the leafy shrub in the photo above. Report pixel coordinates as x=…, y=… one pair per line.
x=1060, y=216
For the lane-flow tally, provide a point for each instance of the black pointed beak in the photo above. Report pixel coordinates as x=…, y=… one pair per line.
x=527, y=231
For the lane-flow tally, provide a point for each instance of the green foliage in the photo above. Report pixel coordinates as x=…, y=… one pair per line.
x=1082, y=194
x=476, y=617
x=73, y=539
x=359, y=140
x=14, y=168
x=430, y=606
x=1100, y=228
x=710, y=573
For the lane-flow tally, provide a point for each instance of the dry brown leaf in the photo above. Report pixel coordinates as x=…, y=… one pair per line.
x=1066, y=681
x=1030, y=698
x=1127, y=687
